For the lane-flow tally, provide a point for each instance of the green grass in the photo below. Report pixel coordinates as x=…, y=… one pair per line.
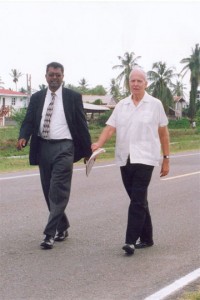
x=181, y=140
x=190, y=296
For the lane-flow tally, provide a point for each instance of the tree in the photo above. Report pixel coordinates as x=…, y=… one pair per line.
x=193, y=65
x=19, y=115
x=127, y=64
x=23, y=90
x=178, y=87
x=1, y=82
x=83, y=86
x=161, y=77
x=15, y=74
x=115, y=90
x=42, y=86
x=97, y=90
x=71, y=87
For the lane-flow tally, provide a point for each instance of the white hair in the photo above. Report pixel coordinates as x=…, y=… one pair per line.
x=139, y=70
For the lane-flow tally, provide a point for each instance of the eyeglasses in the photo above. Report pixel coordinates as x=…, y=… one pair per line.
x=54, y=75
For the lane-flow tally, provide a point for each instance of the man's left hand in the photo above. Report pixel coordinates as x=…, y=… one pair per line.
x=165, y=167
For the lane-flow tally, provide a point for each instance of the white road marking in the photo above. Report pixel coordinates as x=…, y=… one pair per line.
x=175, y=286
x=182, y=155
x=18, y=176
x=98, y=167
x=179, y=176
x=37, y=174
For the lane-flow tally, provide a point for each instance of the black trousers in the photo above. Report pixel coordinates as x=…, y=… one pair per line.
x=56, y=167
x=136, y=179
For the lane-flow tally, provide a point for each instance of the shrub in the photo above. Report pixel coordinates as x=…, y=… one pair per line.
x=18, y=116
x=179, y=124
x=101, y=121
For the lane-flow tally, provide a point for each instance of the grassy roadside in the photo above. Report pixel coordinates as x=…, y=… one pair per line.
x=13, y=160
x=190, y=296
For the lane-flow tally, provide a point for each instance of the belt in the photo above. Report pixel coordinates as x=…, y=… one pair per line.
x=53, y=141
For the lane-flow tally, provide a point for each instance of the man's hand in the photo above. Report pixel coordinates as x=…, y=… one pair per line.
x=165, y=167
x=21, y=144
x=95, y=146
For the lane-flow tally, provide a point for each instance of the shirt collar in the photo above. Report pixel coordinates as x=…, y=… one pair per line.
x=146, y=98
x=58, y=92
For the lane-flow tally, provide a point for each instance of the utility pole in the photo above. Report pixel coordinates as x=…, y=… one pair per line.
x=28, y=83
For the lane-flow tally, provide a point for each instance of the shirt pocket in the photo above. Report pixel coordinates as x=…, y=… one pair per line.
x=147, y=117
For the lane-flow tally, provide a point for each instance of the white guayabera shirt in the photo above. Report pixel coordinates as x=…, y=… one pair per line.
x=137, y=130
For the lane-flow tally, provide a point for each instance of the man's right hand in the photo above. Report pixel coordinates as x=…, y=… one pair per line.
x=21, y=144
x=95, y=146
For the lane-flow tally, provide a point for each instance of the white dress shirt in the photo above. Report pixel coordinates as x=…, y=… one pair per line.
x=137, y=130
x=58, y=126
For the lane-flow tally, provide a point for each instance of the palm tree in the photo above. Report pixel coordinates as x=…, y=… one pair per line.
x=22, y=90
x=178, y=88
x=115, y=90
x=127, y=63
x=161, y=82
x=193, y=65
x=15, y=74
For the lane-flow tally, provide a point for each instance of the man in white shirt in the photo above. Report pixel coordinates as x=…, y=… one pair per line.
x=140, y=124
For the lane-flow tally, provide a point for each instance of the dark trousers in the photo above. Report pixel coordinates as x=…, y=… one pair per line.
x=136, y=179
x=56, y=167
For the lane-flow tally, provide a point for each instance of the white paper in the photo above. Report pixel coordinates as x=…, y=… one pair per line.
x=91, y=160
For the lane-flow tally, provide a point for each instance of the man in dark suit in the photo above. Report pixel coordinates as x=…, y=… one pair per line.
x=55, y=121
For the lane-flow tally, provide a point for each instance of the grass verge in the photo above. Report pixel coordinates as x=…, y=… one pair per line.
x=12, y=160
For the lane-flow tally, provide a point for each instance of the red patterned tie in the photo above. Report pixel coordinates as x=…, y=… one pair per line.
x=47, y=119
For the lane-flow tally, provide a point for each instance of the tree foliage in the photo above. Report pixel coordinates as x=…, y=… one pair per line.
x=1, y=82
x=161, y=80
x=127, y=63
x=15, y=75
x=193, y=65
x=18, y=116
x=115, y=90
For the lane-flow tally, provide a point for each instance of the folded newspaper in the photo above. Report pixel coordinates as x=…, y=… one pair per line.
x=91, y=160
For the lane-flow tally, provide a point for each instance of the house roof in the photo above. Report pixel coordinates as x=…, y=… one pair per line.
x=94, y=108
x=5, y=92
x=106, y=99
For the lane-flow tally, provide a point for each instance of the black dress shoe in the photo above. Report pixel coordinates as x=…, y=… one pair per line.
x=141, y=245
x=48, y=242
x=129, y=249
x=61, y=236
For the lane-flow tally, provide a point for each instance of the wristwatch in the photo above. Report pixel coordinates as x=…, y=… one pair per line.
x=166, y=156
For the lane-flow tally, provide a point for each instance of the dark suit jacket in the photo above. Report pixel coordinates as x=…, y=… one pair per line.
x=75, y=116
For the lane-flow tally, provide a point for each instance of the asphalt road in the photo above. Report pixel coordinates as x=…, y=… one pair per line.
x=90, y=264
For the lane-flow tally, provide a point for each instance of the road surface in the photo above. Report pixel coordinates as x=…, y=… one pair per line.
x=90, y=264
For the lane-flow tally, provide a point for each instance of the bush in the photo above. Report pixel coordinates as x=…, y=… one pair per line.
x=18, y=116
x=101, y=121
x=179, y=124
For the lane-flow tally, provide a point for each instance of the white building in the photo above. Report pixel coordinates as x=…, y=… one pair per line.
x=179, y=105
x=9, y=102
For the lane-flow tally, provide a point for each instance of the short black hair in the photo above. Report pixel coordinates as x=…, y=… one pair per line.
x=55, y=65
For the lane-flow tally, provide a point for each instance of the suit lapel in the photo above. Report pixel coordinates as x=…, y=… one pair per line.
x=66, y=105
x=40, y=106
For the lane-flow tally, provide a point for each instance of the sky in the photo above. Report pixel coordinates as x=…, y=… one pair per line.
x=88, y=36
